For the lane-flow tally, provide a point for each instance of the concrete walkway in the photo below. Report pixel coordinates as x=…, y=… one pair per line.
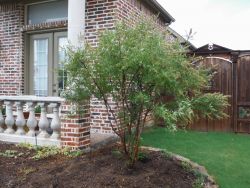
x=98, y=140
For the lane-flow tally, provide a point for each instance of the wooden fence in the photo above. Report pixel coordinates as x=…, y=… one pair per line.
x=232, y=77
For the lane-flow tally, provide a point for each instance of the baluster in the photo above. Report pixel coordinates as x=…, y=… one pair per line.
x=1, y=118
x=9, y=120
x=20, y=120
x=43, y=122
x=31, y=122
x=55, y=123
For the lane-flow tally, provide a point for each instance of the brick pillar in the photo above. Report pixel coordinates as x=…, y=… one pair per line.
x=75, y=126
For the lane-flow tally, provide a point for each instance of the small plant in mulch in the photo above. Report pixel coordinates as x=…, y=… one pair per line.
x=27, y=171
x=11, y=154
x=199, y=182
x=200, y=178
x=24, y=172
x=49, y=151
x=185, y=165
x=45, y=152
x=117, y=153
x=143, y=157
x=167, y=155
x=26, y=145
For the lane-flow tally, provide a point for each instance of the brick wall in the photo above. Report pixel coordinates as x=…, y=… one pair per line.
x=132, y=10
x=103, y=14
x=100, y=15
x=11, y=45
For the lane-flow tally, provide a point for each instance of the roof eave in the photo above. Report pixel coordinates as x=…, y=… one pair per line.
x=167, y=17
x=181, y=39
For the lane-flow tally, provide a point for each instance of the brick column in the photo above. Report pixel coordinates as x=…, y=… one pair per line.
x=75, y=126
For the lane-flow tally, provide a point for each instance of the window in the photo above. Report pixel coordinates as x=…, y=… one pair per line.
x=51, y=11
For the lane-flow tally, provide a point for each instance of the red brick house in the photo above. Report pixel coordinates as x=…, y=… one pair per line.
x=32, y=34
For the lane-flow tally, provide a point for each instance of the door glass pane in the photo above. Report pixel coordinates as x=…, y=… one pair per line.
x=62, y=42
x=40, y=81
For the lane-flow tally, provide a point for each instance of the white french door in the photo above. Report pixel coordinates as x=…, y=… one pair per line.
x=47, y=76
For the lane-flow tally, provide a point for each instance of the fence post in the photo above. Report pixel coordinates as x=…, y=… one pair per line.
x=234, y=58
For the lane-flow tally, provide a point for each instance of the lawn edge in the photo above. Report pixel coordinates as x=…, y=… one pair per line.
x=201, y=169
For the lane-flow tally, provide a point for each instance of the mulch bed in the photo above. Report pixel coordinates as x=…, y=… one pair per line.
x=104, y=168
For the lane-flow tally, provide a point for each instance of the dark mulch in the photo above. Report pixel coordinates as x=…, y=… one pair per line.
x=104, y=168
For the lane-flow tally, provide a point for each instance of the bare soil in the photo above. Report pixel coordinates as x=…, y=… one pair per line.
x=105, y=168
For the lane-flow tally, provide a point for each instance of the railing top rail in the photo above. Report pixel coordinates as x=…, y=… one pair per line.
x=30, y=98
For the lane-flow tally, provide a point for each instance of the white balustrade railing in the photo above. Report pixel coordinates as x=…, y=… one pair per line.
x=41, y=129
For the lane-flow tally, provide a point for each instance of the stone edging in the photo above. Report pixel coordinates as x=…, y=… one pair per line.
x=199, y=168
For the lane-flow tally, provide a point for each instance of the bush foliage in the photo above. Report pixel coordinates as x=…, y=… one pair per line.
x=136, y=66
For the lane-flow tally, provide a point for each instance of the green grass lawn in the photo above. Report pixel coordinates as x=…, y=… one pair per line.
x=226, y=156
